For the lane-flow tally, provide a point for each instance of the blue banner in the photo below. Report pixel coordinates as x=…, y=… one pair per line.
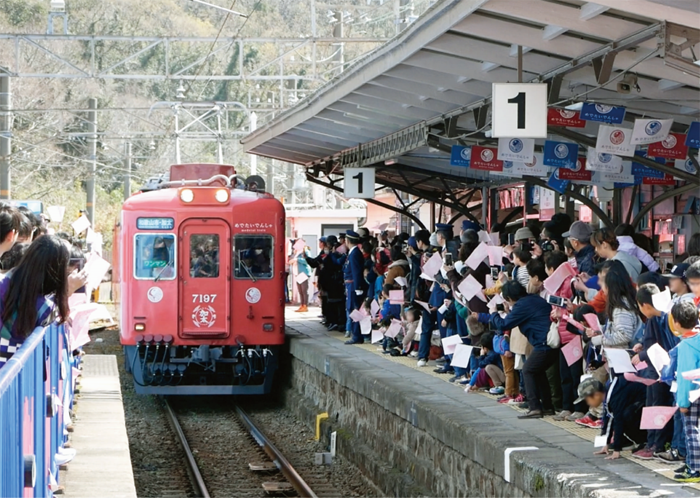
x=693, y=137
x=603, y=113
x=560, y=154
x=460, y=156
x=640, y=171
x=557, y=183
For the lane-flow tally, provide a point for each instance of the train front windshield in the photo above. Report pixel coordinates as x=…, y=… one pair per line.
x=253, y=256
x=154, y=256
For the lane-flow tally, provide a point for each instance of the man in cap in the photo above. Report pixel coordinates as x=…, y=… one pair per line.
x=335, y=289
x=677, y=282
x=579, y=236
x=355, y=285
x=470, y=225
x=318, y=264
x=363, y=233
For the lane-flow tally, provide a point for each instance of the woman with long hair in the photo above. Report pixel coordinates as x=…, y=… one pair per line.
x=608, y=247
x=30, y=292
x=10, y=221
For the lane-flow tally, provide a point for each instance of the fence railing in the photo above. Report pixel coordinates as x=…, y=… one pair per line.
x=36, y=392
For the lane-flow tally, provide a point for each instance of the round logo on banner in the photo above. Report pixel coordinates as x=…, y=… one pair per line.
x=603, y=109
x=578, y=166
x=652, y=128
x=515, y=145
x=533, y=163
x=690, y=167
x=604, y=158
x=617, y=137
x=507, y=164
x=155, y=294
x=561, y=151
x=203, y=316
x=659, y=421
x=567, y=114
x=486, y=155
x=669, y=142
x=577, y=351
x=466, y=153
x=253, y=295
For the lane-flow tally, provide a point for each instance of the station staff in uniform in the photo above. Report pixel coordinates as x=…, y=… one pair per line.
x=355, y=285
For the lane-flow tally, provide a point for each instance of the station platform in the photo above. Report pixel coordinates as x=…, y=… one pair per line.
x=102, y=465
x=472, y=427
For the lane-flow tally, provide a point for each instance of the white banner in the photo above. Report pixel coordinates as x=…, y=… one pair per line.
x=647, y=131
x=624, y=175
x=515, y=169
x=600, y=161
x=614, y=140
x=686, y=165
x=516, y=149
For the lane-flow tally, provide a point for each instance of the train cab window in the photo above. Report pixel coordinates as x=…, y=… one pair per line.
x=204, y=256
x=253, y=257
x=154, y=256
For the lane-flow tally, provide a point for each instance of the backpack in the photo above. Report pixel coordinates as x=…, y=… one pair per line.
x=501, y=344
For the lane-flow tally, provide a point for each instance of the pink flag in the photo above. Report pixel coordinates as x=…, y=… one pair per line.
x=592, y=321
x=557, y=278
x=469, y=287
x=396, y=297
x=299, y=245
x=374, y=308
x=636, y=378
x=656, y=417
x=573, y=351
x=450, y=343
x=393, y=329
x=495, y=255
x=431, y=267
x=79, y=327
x=573, y=322
x=357, y=316
x=477, y=256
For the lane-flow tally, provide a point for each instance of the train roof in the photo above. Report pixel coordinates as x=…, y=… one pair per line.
x=169, y=198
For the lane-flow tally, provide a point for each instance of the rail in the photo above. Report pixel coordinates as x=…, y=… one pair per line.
x=32, y=382
x=301, y=487
x=192, y=467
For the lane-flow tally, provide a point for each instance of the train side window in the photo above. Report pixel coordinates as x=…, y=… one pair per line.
x=204, y=256
x=154, y=256
x=253, y=257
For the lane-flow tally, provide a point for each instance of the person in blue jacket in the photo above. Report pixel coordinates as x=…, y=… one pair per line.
x=355, y=284
x=530, y=313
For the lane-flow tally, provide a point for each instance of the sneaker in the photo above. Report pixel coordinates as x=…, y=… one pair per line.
x=575, y=416
x=413, y=354
x=687, y=476
x=422, y=363
x=524, y=405
x=464, y=381
x=333, y=326
x=498, y=390
x=505, y=399
x=644, y=454
x=671, y=455
x=587, y=421
x=681, y=469
x=457, y=378
x=561, y=416
x=518, y=399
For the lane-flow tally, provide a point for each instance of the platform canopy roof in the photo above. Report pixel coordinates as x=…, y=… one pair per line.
x=403, y=106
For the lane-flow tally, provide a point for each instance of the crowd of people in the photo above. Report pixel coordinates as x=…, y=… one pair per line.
x=548, y=311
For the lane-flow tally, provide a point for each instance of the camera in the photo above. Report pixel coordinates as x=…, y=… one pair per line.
x=500, y=307
x=557, y=301
x=546, y=245
x=527, y=246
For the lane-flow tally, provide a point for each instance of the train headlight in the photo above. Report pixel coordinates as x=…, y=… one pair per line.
x=139, y=327
x=186, y=195
x=221, y=195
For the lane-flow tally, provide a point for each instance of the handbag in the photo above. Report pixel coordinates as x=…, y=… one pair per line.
x=553, y=339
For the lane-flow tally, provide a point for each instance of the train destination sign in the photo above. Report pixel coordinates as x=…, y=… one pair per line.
x=155, y=223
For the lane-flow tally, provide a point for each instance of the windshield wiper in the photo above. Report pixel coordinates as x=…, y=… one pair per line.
x=163, y=270
x=245, y=267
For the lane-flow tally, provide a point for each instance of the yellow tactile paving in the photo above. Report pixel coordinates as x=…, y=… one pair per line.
x=585, y=433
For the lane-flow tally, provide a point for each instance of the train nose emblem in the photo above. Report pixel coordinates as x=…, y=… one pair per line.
x=203, y=316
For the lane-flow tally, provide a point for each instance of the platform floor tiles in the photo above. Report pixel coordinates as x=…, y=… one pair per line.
x=102, y=465
x=311, y=320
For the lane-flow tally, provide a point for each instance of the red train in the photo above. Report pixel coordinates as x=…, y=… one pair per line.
x=199, y=269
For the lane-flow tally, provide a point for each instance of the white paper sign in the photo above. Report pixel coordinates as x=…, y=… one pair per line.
x=619, y=360
x=431, y=267
x=442, y=309
x=478, y=256
x=658, y=357
x=462, y=355
x=81, y=224
x=600, y=441
x=96, y=268
x=450, y=343
x=495, y=301
x=366, y=325
x=358, y=183
x=301, y=278
x=357, y=316
x=374, y=307
x=662, y=300
x=614, y=140
x=469, y=287
x=516, y=149
x=56, y=213
x=393, y=329
x=600, y=161
x=519, y=110
x=401, y=281
x=377, y=336
x=647, y=131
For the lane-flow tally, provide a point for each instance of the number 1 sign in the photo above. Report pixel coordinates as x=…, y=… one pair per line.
x=359, y=183
x=519, y=110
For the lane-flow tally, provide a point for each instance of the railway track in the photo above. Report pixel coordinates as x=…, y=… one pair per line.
x=228, y=455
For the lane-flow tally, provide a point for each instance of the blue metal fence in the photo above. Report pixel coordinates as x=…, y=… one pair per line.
x=31, y=421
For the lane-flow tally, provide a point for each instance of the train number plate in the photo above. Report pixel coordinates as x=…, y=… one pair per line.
x=203, y=298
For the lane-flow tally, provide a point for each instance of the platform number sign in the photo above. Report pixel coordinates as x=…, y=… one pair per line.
x=519, y=110
x=359, y=183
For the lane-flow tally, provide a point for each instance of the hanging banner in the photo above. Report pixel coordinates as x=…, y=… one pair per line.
x=665, y=180
x=612, y=140
x=556, y=183
x=508, y=170
x=585, y=214
x=603, y=113
x=672, y=147
x=516, y=149
x=599, y=161
x=686, y=165
x=536, y=167
x=577, y=174
x=648, y=131
x=560, y=154
x=484, y=158
x=624, y=175
x=460, y=156
x=547, y=208
x=693, y=137
x=564, y=117
x=644, y=171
